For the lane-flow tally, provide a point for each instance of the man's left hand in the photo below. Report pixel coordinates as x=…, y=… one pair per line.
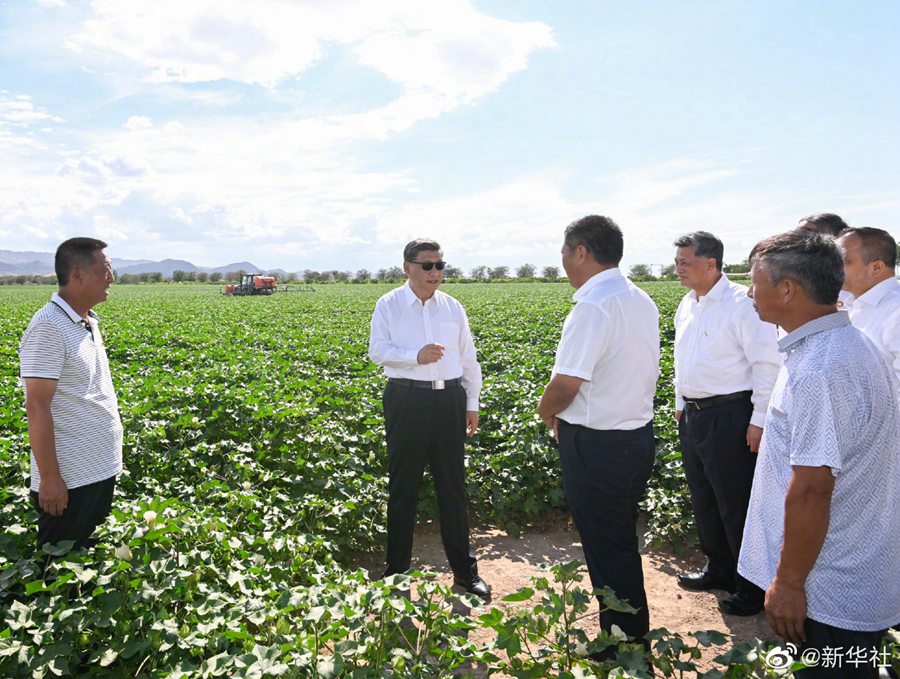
x=471, y=422
x=754, y=436
x=786, y=611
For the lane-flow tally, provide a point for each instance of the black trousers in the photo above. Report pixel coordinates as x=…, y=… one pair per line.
x=841, y=653
x=719, y=468
x=605, y=476
x=425, y=426
x=88, y=507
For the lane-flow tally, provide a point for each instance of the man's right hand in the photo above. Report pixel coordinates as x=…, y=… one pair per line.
x=430, y=353
x=53, y=496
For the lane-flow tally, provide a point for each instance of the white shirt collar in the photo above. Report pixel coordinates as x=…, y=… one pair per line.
x=70, y=312
x=715, y=292
x=410, y=297
x=873, y=295
x=595, y=280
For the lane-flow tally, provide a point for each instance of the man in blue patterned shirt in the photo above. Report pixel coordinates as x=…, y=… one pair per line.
x=822, y=535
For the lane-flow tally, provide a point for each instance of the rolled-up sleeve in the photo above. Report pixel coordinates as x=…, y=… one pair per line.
x=382, y=349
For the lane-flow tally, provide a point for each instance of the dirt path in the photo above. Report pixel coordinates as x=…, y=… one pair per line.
x=508, y=563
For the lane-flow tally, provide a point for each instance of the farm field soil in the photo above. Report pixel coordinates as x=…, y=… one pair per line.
x=508, y=563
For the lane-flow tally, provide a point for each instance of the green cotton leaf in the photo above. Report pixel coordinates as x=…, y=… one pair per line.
x=61, y=548
x=609, y=600
x=523, y=594
x=492, y=617
x=35, y=586
x=710, y=638
x=59, y=667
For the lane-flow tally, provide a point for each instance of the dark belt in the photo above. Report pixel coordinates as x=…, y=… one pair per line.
x=425, y=384
x=715, y=401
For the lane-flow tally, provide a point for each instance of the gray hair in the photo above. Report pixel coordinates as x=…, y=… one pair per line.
x=414, y=247
x=704, y=244
x=810, y=259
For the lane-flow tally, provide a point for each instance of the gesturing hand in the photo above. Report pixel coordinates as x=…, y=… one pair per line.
x=430, y=353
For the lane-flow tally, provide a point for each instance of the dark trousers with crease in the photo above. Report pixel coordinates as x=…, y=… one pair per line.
x=719, y=468
x=825, y=638
x=605, y=476
x=427, y=427
x=87, y=508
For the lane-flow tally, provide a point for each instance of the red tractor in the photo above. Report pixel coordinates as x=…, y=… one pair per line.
x=252, y=284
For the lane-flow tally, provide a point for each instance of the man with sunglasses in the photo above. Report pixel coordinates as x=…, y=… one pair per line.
x=421, y=337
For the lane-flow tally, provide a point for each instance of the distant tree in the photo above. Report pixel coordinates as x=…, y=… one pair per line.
x=640, y=270
x=156, y=276
x=362, y=276
x=498, y=272
x=291, y=278
x=453, y=272
x=550, y=272
x=310, y=276
x=668, y=271
x=342, y=276
x=202, y=276
x=526, y=271
x=178, y=275
x=215, y=276
x=743, y=267
x=395, y=274
x=126, y=278
x=479, y=273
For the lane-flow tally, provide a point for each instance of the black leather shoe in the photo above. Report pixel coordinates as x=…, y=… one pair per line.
x=475, y=586
x=737, y=604
x=703, y=581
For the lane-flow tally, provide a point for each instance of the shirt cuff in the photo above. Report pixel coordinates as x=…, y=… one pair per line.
x=758, y=419
x=472, y=405
x=679, y=403
x=572, y=372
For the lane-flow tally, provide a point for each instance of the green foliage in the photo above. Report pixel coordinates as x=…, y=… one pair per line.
x=255, y=463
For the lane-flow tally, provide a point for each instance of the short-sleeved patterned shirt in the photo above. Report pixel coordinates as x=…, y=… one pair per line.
x=833, y=405
x=60, y=345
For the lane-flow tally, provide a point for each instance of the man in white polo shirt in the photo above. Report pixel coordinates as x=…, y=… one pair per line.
x=73, y=415
x=870, y=258
x=599, y=403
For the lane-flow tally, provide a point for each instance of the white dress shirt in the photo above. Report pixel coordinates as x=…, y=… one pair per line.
x=721, y=347
x=611, y=341
x=402, y=325
x=877, y=314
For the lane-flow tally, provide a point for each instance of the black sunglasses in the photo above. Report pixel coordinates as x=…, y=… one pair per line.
x=428, y=266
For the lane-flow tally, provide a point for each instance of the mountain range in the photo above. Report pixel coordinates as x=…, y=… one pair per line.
x=13, y=263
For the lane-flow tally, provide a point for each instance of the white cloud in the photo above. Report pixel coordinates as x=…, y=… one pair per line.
x=138, y=123
x=18, y=110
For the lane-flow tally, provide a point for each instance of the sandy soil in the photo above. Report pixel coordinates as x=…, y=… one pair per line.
x=507, y=563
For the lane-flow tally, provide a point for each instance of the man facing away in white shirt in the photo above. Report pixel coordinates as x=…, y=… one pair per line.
x=870, y=258
x=599, y=404
x=726, y=361
x=421, y=337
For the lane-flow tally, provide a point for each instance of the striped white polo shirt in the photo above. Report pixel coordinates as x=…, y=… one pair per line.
x=59, y=345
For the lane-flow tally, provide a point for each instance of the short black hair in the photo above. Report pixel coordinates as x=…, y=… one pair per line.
x=600, y=236
x=875, y=244
x=810, y=259
x=823, y=222
x=704, y=244
x=75, y=253
x=414, y=247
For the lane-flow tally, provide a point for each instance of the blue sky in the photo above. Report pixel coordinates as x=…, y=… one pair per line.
x=327, y=134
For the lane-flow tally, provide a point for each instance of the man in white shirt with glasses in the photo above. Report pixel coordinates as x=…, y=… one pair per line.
x=422, y=339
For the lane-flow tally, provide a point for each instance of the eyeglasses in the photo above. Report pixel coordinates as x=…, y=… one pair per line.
x=428, y=266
